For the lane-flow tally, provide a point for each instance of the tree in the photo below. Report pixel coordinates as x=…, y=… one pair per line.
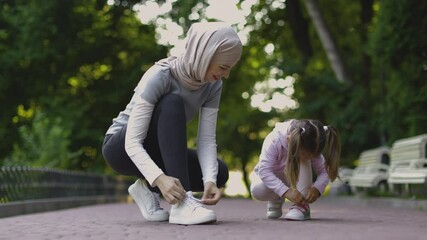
x=76, y=61
x=327, y=41
x=399, y=50
x=317, y=90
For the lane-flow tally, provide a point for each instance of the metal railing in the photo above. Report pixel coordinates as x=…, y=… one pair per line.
x=21, y=186
x=24, y=183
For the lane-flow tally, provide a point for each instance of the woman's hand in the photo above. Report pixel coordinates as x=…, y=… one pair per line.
x=313, y=195
x=171, y=188
x=211, y=195
x=295, y=196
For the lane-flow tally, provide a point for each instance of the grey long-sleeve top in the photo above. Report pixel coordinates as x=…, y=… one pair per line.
x=155, y=83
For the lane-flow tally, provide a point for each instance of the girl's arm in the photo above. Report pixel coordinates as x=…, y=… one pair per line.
x=322, y=179
x=268, y=161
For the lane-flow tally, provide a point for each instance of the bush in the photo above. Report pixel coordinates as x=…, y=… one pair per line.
x=45, y=142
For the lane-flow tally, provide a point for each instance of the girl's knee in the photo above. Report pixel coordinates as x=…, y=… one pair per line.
x=257, y=192
x=261, y=193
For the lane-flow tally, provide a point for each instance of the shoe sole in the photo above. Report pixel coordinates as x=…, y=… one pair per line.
x=297, y=219
x=274, y=216
x=192, y=222
x=292, y=219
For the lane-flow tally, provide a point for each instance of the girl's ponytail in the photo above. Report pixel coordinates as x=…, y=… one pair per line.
x=314, y=137
x=292, y=167
x=332, y=152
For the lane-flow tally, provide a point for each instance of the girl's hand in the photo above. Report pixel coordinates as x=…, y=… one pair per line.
x=313, y=194
x=211, y=195
x=295, y=196
x=171, y=188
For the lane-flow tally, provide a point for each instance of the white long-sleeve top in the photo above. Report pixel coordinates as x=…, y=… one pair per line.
x=155, y=83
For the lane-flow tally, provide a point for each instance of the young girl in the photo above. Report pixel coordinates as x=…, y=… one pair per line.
x=285, y=165
x=148, y=138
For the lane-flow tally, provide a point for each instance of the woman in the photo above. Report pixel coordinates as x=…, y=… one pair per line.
x=148, y=139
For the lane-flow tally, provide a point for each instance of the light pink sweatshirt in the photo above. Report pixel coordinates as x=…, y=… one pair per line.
x=273, y=159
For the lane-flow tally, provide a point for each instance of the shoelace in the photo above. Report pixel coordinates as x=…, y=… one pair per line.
x=192, y=202
x=156, y=201
x=303, y=207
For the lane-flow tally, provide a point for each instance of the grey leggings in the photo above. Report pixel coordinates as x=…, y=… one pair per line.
x=166, y=143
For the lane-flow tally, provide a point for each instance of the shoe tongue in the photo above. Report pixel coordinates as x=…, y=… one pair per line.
x=193, y=200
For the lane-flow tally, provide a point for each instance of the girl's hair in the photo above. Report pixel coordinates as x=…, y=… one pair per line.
x=312, y=136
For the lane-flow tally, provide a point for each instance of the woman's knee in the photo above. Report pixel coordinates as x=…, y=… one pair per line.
x=223, y=174
x=115, y=155
x=171, y=103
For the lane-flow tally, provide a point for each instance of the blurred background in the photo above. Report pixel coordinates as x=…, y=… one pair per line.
x=68, y=67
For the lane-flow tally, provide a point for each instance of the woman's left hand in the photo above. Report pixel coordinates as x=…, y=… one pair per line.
x=312, y=195
x=211, y=195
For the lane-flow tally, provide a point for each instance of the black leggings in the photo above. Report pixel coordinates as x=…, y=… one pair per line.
x=166, y=143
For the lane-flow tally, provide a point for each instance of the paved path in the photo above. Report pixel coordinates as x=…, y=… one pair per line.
x=237, y=219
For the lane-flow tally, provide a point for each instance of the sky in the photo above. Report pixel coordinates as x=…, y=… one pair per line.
x=171, y=33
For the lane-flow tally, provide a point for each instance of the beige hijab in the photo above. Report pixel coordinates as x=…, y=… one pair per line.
x=207, y=42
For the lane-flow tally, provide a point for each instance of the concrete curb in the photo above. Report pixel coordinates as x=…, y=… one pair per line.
x=44, y=205
x=413, y=204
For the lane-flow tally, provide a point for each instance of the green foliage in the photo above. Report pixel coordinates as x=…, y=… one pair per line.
x=399, y=50
x=68, y=68
x=298, y=52
x=77, y=60
x=44, y=144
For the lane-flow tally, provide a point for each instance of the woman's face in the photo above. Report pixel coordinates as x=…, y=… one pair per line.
x=216, y=71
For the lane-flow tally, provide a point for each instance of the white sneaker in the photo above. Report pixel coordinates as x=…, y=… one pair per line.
x=274, y=209
x=148, y=202
x=298, y=213
x=191, y=211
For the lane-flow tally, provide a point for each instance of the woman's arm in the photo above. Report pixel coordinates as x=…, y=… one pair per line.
x=206, y=144
x=136, y=132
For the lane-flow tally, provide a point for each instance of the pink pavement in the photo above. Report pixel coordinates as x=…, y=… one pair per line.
x=237, y=219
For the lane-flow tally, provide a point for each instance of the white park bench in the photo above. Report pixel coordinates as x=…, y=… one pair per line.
x=408, y=163
x=372, y=172
x=341, y=185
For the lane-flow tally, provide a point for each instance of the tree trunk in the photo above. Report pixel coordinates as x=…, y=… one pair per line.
x=246, y=180
x=327, y=41
x=366, y=15
x=299, y=27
